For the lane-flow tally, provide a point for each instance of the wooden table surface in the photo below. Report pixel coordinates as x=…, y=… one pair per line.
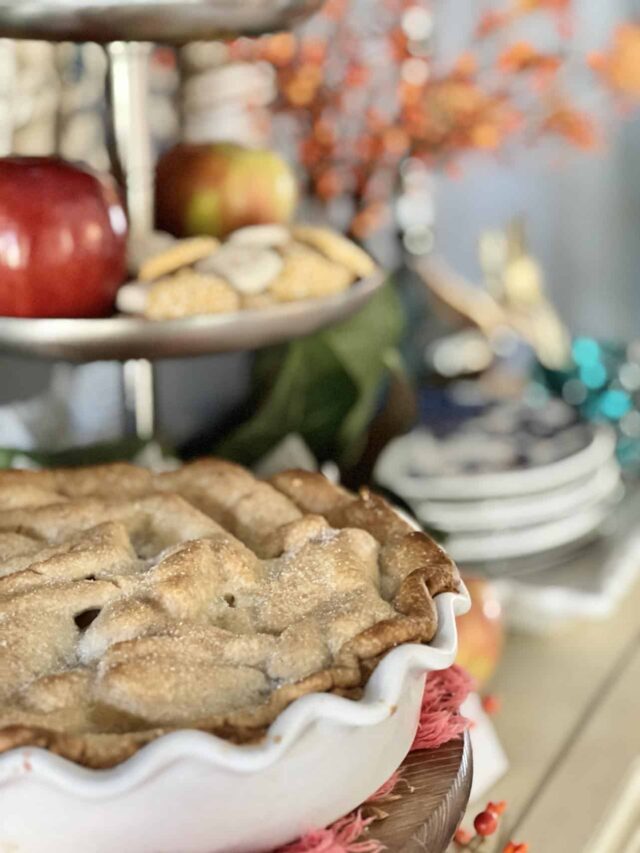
x=570, y=725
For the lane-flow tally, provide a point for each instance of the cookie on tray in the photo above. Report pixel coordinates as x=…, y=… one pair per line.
x=249, y=269
x=308, y=275
x=183, y=253
x=337, y=248
x=185, y=294
x=262, y=236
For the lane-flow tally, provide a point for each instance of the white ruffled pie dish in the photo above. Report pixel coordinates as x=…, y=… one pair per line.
x=191, y=792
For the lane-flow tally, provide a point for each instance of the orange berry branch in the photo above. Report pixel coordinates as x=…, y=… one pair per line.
x=486, y=824
x=363, y=92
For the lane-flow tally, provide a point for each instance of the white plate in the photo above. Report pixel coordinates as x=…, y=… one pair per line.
x=502, y=514
x=525, y=541
x=401, y=469
x=190, y=792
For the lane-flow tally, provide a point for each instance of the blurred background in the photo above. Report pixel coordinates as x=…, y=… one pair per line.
x=488, y=158
x=581, y=209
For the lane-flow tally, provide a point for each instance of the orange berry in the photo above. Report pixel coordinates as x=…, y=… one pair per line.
x=309, y=74
x=620, y=68
x=298, y=94
x=462, y=837
x=395, y=141
x=313, y=50
x=491, y=704
x=365, y=146
x=310, y=152
x=575, y=126
x=517, y=56
x=375, y=119
x=329, y=184
x=357, y=75
x=324, y=132
x=280, y=48
x=465, y=65
x=368, y=220
x=334, y=9
x=485, y=136
x=490, y=22
x=485, y=823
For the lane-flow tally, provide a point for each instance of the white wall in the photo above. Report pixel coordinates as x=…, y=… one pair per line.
x=583, y=211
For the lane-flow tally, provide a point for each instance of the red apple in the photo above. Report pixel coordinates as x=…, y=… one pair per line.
x=63, y=237
x=216, y=188
x=480, y=632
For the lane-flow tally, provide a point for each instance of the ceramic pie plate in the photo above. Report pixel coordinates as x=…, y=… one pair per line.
x=191, y=792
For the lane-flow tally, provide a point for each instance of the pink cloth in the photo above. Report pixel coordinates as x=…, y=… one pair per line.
x=440, y=722
x=440, y=718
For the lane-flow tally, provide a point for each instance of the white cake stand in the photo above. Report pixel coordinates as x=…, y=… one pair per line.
x=128, y=28
x=121, y=338
x=167, y=21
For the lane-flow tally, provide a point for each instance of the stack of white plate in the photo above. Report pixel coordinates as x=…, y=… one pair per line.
x=510, y=484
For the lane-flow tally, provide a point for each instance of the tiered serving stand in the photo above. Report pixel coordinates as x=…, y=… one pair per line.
x=128, y=29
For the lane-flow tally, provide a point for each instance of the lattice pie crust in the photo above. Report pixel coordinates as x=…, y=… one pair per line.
x=133, y=604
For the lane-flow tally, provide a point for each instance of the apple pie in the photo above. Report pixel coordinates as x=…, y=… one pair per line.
x=133, y=604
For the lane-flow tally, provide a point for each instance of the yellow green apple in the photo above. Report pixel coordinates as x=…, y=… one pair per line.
x=219, y=187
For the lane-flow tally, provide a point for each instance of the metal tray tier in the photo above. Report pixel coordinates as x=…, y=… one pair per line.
x=121, y=338
x=167, y=21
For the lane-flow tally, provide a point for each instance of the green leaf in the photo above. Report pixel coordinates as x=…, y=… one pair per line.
x=363, y=346
x=325, y=387
x=308, y=395
x=94, y=454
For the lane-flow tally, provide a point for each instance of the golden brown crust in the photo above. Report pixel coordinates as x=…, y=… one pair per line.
x=400, y=555
x=313, y=493
x=267, y=592
x=118, y=479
